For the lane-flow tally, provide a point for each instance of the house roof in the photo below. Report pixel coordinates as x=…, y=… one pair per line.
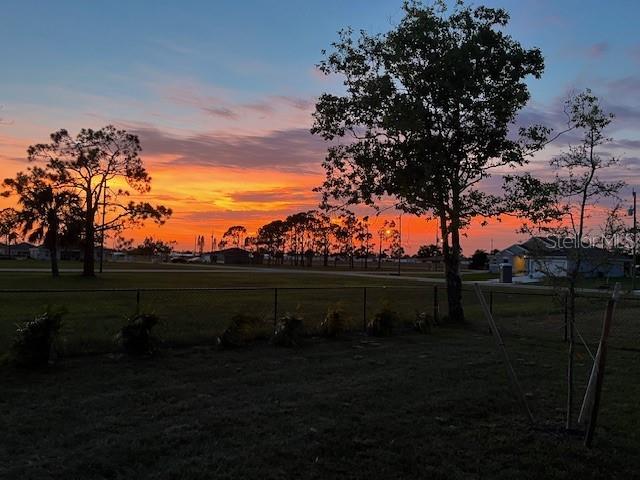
x=563, y=247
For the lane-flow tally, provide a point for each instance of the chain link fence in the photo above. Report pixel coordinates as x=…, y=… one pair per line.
x=200, y=315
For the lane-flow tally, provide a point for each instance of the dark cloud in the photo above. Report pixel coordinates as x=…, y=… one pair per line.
x=221, y=112
x=295, y=102
x=625, y=143
x=260, y=107
x=275, y=195
x=624, y=86
x=290, y=150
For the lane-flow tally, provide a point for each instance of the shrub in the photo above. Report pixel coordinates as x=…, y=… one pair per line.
x=288, y=331
x=381, y=325
x=135, y=337
x=34, y=343
x=334, y=322
x=423, y=322
x=242, y=330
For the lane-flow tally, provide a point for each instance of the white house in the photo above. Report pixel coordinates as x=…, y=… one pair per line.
x=541, y=257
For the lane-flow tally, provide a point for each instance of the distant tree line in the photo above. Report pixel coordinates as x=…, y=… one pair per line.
x=303, y=236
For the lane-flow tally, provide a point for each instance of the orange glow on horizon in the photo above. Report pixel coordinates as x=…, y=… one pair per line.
x=206, y=200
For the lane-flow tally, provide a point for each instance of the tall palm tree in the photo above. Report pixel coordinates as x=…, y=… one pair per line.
x=8, y=226
x=44, y=208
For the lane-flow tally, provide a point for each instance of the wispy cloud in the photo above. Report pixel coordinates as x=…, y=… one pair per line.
x=289, y=150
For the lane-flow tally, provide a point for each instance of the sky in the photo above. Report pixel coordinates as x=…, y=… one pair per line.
x=221, y=93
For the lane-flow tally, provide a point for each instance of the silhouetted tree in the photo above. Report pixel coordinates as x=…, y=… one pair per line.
x=479, y=260
x=89, y=165
x=9, y=227
x=428, y=251
x=273, y=237
x=152, y=247
x=45, y=208
x=428, y=107
x=234, y=235
x=561, y=207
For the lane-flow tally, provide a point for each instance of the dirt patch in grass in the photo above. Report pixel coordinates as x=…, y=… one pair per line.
x=404, y=407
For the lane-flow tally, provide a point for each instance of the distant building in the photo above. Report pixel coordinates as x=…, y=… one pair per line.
x=19, y=250
x=232, y=256
x=540, y=257
x=515, y=255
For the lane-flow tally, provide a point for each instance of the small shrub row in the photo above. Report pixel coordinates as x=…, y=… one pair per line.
x=35, y=341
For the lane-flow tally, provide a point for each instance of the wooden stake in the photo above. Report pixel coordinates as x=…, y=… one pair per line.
x=513, y=378
x=591, y=404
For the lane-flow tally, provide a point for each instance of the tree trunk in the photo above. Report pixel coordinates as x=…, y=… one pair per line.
x=51, y=240
x=88, y=268
x=451, y=254
x=53, y=252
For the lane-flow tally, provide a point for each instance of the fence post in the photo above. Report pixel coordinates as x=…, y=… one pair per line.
x=275, y=306
x=138, y=301
x=364, y=309
x=436, y=305
x=566, y=314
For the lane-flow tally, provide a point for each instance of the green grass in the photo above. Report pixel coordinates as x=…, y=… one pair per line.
x=199, y=317
x=404, y=407
x=187, y=317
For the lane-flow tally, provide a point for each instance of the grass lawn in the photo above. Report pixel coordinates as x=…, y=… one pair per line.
x=409, y=406
x=199, y=317
x=94, y=318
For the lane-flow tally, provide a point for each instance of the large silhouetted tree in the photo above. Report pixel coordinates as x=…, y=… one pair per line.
x=103, y=167
x=425, y=116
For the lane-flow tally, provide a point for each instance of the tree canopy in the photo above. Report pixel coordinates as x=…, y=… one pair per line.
x=426, y=114
x=103, y=168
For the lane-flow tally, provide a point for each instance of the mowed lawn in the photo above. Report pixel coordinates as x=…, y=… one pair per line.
x=410, y=406
x=93, y=318
x=189, y=317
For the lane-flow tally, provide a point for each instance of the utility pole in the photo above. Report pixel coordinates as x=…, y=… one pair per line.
x=635, y=243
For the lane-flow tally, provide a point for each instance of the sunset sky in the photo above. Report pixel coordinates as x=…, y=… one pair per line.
x=221, y=93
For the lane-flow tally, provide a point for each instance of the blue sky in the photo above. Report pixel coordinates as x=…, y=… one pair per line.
x=230, y=85
x=262, y=47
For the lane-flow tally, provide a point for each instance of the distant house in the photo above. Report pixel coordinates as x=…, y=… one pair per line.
x=41, y=253
x=540, y=257
x=19, y=250
x=232, y=256
x=515, y=255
